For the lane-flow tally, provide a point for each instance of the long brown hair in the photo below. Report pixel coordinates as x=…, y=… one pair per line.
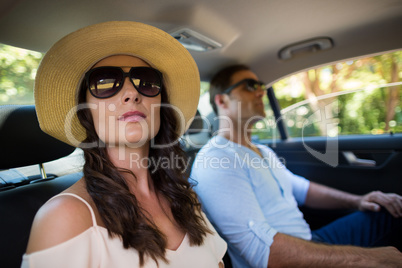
x=119, y=208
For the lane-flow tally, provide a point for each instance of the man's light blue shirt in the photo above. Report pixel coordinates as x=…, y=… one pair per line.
x=249, y=198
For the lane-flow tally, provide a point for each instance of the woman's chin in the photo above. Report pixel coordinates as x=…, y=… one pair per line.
x=132, y=139
x=131, y=142
x=134, y=143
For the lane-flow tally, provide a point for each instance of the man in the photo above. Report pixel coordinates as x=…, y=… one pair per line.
x=252, y=199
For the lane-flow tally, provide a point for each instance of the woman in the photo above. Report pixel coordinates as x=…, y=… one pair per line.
x=123, y=92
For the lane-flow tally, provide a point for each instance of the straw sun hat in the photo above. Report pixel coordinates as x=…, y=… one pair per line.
x=62, y=70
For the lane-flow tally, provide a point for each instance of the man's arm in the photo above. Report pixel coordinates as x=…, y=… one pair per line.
x=320, y=196
x=229, y=201
x=288, y=251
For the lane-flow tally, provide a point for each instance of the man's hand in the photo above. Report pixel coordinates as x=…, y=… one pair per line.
x=386, y=257
x=323, y=197
x=375, y=200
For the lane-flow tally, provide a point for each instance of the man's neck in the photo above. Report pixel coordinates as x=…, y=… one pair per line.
x=238, y=133
x=235, y=131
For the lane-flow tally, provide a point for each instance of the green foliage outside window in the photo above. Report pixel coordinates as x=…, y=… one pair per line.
x=363, y=96
x=17, y=74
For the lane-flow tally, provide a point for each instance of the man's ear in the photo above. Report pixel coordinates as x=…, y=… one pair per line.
x=220, y=100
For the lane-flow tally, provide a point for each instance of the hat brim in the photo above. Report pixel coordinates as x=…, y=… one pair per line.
x=62, y=69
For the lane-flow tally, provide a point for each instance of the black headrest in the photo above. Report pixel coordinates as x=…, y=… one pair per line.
x=22, y=142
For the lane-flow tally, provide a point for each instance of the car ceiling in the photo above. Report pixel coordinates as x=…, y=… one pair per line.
x=250, y=31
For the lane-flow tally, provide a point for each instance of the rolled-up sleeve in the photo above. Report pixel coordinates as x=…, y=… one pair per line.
x=228, y=199
x=300, y=188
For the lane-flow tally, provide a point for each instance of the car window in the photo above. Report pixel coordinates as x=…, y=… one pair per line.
x=18, y=71
x=361, y=96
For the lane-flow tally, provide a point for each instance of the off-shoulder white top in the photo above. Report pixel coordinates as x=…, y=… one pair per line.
x=95, y=248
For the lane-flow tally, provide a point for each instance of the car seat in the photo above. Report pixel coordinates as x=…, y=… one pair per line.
x=23, y=143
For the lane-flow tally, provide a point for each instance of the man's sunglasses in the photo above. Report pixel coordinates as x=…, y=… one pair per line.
x=251, y=85
x=105, y=82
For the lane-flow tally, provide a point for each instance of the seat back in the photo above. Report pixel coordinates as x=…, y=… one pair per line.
x=23, y=143
x=18, y=207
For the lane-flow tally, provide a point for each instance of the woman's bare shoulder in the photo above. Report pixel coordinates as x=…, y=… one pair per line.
x=59, y=220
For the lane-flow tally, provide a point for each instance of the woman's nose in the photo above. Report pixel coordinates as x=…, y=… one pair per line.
x=130, y=93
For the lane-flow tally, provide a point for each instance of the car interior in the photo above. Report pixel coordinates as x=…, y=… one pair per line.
x=275, y=38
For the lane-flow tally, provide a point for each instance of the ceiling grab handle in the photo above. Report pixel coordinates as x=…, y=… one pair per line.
x=305, y=47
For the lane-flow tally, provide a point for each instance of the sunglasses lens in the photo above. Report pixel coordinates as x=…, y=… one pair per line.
x=147, y=81
x=105, y=82
x=253, y=85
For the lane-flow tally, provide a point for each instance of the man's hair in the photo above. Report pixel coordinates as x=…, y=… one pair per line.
x=222, y=80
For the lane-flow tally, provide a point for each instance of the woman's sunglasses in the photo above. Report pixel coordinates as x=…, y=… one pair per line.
x=104, y=82
x=251, y=85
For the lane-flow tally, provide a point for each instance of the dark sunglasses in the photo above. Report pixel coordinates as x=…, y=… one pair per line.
x=251, y=85
x=104, y=82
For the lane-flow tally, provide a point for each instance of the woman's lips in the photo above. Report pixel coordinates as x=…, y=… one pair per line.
x=132, y=116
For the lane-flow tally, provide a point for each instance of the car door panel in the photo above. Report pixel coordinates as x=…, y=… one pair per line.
x=380, y=164
x=377, y=166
